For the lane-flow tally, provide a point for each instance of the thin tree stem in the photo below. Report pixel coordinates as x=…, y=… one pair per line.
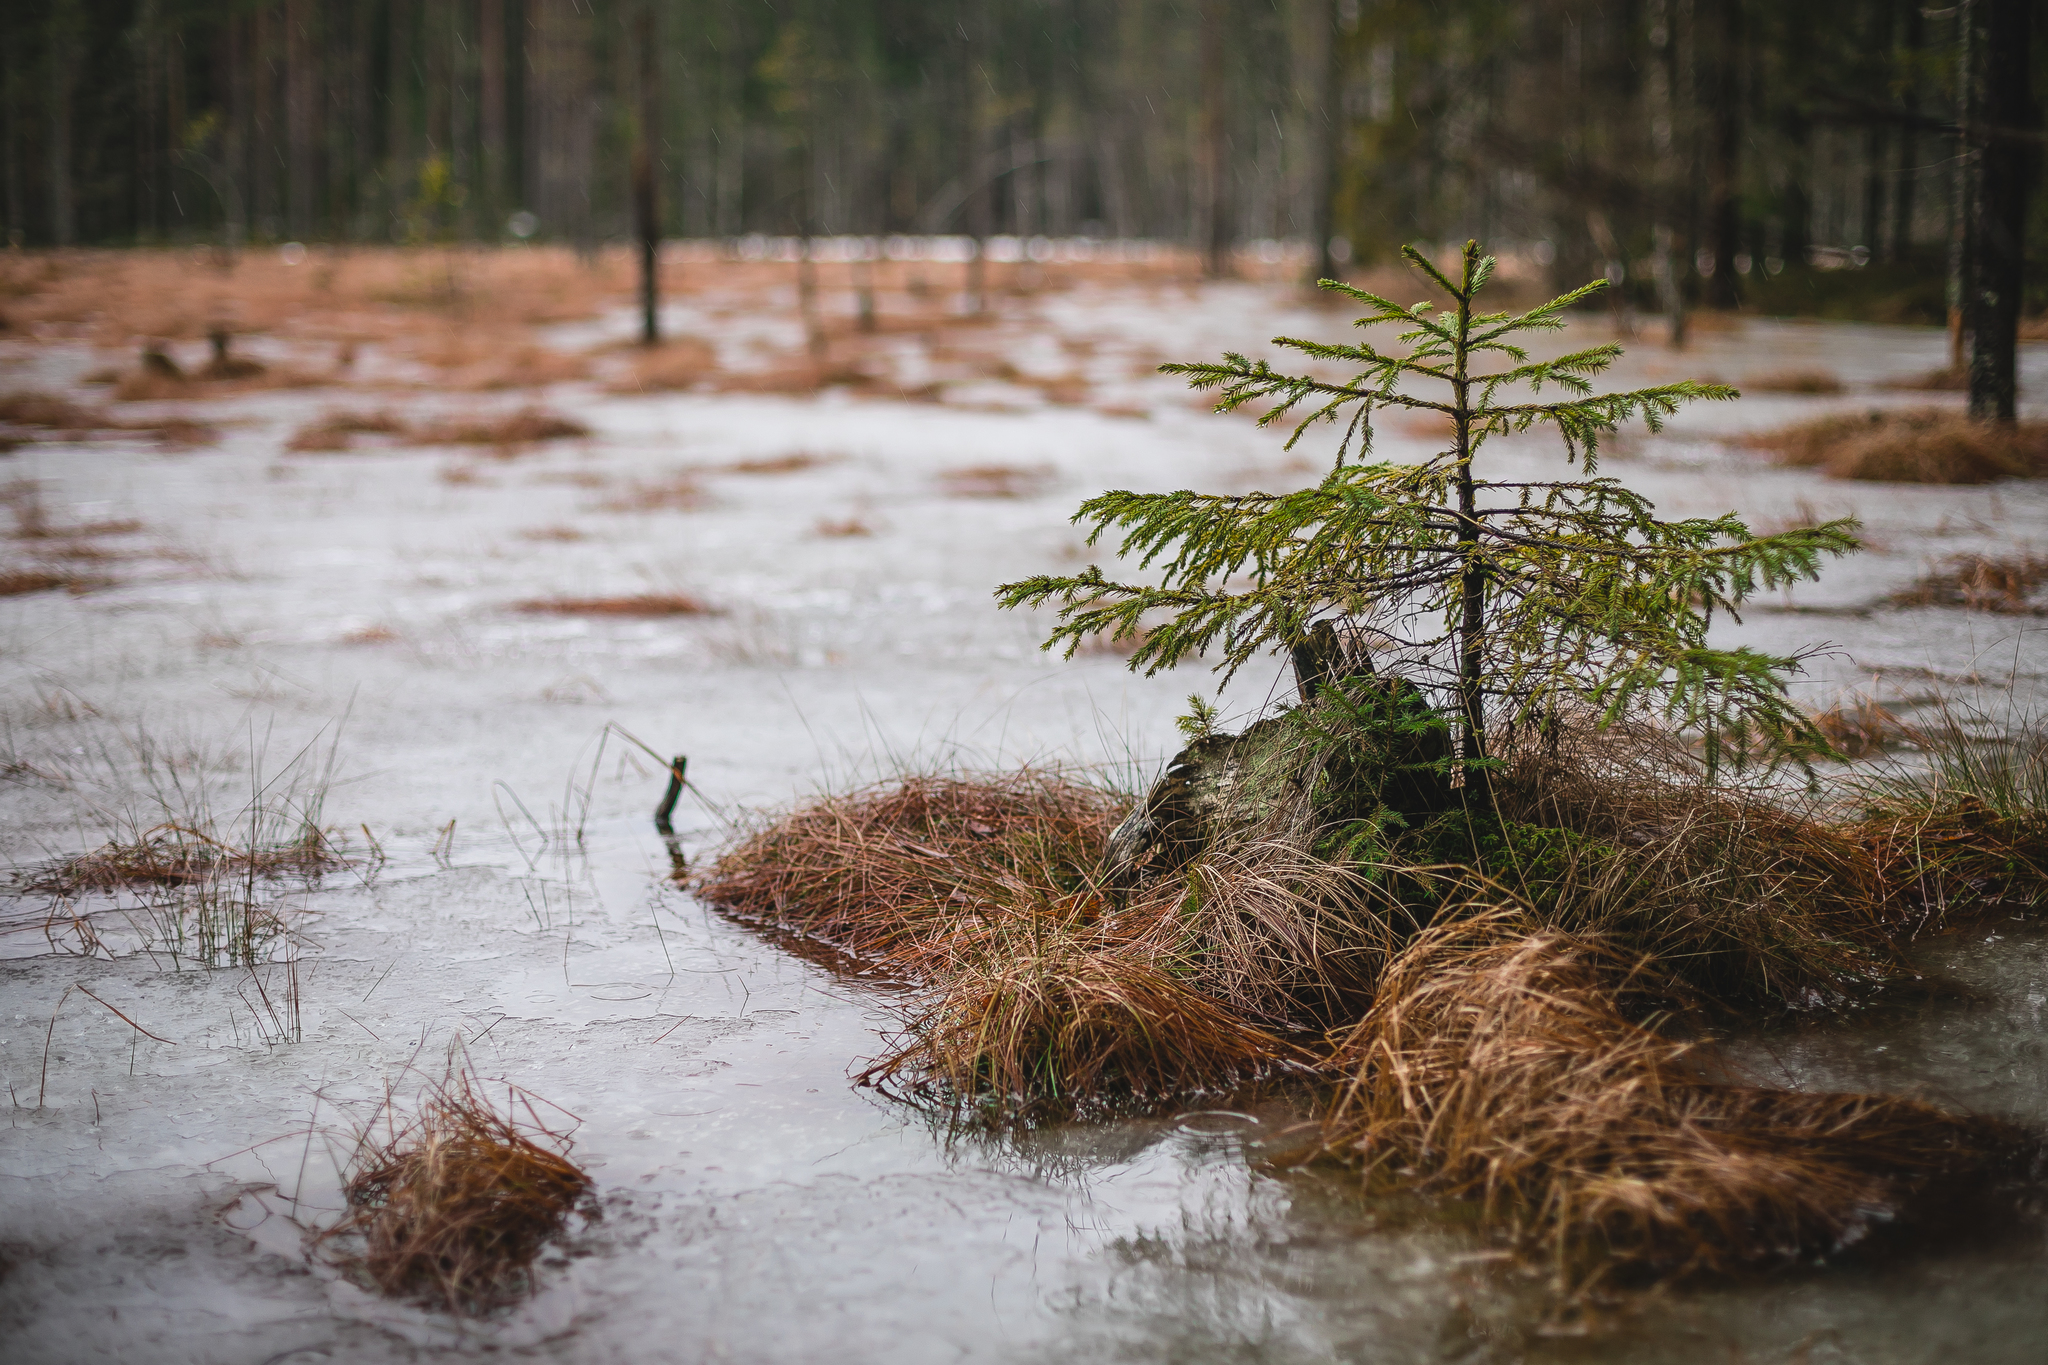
x=1472, y=579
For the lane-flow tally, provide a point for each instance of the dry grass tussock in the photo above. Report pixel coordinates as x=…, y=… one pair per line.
x=645, y=604
x=337, y=430
x=527, y=426
x=678, y=363
x=1960, y=830
x=995, y=481
x=452, y=1208
x=1814, y=381
x=27, y=412
x=28, y=582
x=1919, y=445
x=2004, y=584
x=1738, y=895
x=1044, y=997
x=1501, y=1065
x=1498, y=1036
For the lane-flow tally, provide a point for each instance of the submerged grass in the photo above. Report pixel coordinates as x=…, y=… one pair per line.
x=453, y=1207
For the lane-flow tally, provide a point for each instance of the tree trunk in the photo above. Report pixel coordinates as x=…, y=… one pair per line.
x=302, y=101
x=1907, y=148
x=1998, y=219
x=59, y=56
x=1215, y=230
x=490, y=41
x=1472, y=578
x=646, y=202
x=1327, y=118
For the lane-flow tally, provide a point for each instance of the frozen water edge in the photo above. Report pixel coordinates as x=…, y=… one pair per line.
x=758, y=1207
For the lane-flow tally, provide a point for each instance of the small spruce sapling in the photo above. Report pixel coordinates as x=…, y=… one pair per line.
x=1511, y=602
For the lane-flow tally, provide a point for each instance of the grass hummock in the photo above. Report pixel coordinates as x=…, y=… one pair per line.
x=453, y=1207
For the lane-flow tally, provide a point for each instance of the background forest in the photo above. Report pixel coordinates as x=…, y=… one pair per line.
x=1699, y=145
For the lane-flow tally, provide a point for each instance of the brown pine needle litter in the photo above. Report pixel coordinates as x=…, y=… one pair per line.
x=452, y=1209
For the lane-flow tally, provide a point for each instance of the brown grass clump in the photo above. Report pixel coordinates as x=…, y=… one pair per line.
x=336, y=430
x=453, y=1209
x=678, y=492
x=1500, y=1065
x=892, y=870
x=2004, y=585
x=635, y=604
x=1618, y=833
x=524, y=427
x=53, y=412
x=1815, y=381
x=1924, y=445
x=1964, y=831
x=1045, y=995
x=1861, y=727
x=174, y=855
x=794, y=463
x=841, y=528
x=994, y=481
x=24, y=582
x=1947, y=379
x=1046, y=1016
x=678, y=363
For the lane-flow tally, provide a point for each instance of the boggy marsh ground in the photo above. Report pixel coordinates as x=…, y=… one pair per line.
x=255, y=597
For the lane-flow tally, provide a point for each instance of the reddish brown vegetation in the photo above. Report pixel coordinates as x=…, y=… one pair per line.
x=2003, y=584
x=994, y=481
x=633, y=604
x=453, y=1208
x=1794, y=381
x=1923, y=445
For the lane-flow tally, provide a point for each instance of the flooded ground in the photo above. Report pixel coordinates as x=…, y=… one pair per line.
x=756, y=1205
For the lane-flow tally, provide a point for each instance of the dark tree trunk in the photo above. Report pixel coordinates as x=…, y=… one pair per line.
x=302, y=96
x=1906, y=165
x=1724, y=155
x=646, y=202
x=1998, y=219
x=490, y=41
x=59, y=54
x=1327, y=118
x=1215, y=236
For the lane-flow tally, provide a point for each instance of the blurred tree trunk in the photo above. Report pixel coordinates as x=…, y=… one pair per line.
x=646, y=202
x=302, y=95
x=1214, y=228
x=1326, y=117
x=59, y=60
x=490, y=38
x=1724, y=152
x=1907, y=148
x=2000, y=118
